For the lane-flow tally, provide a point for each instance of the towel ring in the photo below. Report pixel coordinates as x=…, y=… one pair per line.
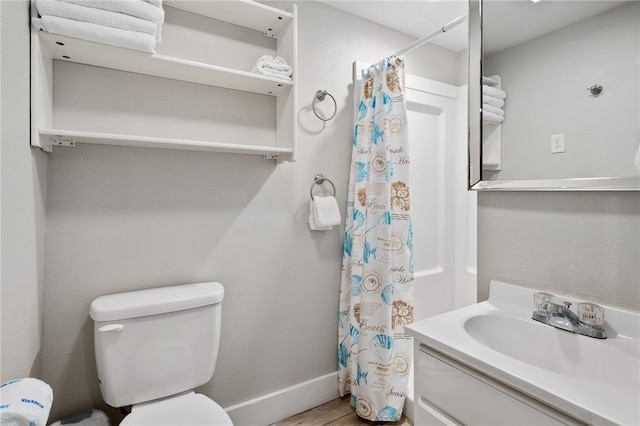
x=319, y=179
x=319, y=97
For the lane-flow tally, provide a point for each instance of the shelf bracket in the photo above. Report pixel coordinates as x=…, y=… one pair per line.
x=63, y=140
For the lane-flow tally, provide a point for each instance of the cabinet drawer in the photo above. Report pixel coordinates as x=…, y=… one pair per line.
x=455, y=394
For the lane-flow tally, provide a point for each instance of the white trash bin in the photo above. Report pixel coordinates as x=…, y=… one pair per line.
x=85, y=418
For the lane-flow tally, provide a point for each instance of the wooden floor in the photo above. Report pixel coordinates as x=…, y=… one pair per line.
x=337, y=413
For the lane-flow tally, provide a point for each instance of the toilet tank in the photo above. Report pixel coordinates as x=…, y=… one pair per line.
x=155, y=343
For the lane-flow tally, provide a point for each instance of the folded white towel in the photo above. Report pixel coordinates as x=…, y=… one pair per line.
x=156, y=3
x=493, y=91
x=495, y=118
x=262, y=69
x=326, y=212
x=78, y=12
x=273, y=67
x=312, y=219
x=97, y=33
x=277, y=63
x=138, y=8
x=492, y=109
x=490, y=100
x=488, y=80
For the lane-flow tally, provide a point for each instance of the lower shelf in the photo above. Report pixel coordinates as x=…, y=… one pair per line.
x=58, y=137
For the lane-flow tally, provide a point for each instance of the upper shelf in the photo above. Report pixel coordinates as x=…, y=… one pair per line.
x=245, y=13
x=85, y=52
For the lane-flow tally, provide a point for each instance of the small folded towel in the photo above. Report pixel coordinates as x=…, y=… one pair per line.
x=107, y=18
x=97, y=33
x=156, y=3
x=492, y=109
x=490, y=100
x=493, y=91
x=489, y=81
x=271, y=72
x=278, y=63
x=273, y=67
x=495, y=118
x=326, y=213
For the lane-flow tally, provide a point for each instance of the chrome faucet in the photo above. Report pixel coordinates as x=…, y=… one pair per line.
x=589, y=323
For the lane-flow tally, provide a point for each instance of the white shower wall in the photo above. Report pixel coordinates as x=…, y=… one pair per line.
x=122, y=219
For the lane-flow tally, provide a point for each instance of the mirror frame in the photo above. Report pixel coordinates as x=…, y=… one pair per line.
x=474, y=166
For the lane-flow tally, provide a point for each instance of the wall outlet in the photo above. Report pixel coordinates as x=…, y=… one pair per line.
x=557, y=143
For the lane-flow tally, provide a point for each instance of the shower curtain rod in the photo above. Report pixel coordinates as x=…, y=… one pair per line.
x=428, y=37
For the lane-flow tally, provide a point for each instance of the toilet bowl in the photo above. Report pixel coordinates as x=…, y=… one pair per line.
x=190, y=409
x=153, y=347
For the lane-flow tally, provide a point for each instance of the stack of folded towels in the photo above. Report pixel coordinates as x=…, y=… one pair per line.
x=493, y=103
x=273, y=67
x=132, y=24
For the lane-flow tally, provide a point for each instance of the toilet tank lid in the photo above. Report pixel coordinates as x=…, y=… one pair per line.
x=142, y=303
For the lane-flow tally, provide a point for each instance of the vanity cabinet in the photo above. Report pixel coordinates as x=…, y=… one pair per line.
x=448, y=392
x=202, y=71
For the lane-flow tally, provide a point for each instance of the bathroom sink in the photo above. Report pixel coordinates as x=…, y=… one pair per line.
x=596, y=381
x=556, y=350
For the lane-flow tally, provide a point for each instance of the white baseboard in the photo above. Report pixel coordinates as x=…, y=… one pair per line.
x=286, y=402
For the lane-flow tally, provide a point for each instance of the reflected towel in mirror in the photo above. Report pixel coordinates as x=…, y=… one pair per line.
x=494, y=92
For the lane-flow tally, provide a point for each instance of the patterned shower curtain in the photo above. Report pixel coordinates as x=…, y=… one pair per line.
x=376, y=290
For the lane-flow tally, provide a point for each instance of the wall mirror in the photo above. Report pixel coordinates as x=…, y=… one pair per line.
x=570, y=71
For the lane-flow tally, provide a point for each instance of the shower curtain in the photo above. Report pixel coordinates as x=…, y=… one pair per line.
x=376, y=290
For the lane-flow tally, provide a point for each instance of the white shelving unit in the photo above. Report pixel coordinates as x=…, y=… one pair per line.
x=274, y=23
x=492, y=134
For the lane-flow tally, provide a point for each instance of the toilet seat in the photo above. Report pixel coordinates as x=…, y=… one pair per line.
x=190, y=409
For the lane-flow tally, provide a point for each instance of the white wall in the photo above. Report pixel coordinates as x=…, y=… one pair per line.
x=23, y=173
x=121, y=219
x=547, y=79
x=581, y=244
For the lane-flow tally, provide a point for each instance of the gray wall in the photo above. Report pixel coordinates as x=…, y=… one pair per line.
x=22, y=210
x=121, y=219
x=582, y=244
x=546, y=81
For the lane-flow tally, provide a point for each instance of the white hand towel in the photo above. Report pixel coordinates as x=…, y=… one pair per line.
x=493, y=91
x=312, y=219
x=495, y=118
x=492, y=109
x=77, y=12
x=326, y=211
x=96, y=33
x=25, y=402
x=499, y=103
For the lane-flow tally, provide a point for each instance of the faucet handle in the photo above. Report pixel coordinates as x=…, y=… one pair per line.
x=590, y=313
x=567, y=305
x=541, y=299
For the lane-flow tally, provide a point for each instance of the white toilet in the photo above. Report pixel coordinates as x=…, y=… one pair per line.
x=153, y=347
